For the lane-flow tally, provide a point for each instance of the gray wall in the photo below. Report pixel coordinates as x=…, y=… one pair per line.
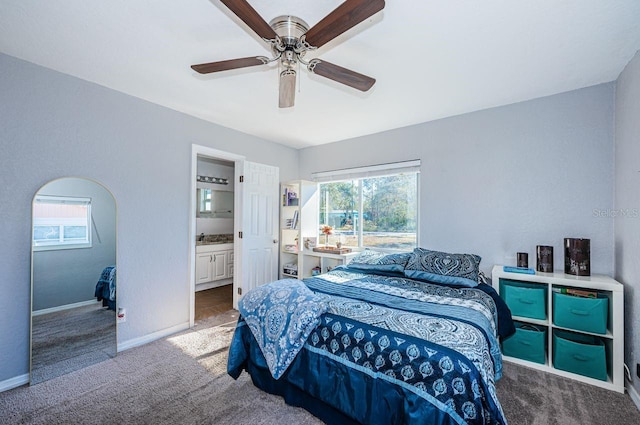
x=627, y=206
x=68, y=276
x=506, y=179
x=53, y=125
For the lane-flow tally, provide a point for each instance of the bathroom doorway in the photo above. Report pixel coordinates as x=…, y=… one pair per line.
x=253, y=257
x=214, y=236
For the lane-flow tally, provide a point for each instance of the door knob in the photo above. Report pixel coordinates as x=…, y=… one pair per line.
x=275, y=241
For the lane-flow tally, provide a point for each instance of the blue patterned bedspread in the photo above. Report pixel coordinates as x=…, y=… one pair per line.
x=281, y=316
x=395, y=350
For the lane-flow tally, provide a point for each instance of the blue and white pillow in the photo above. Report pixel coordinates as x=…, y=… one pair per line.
x=379, y=262
x=442, y=267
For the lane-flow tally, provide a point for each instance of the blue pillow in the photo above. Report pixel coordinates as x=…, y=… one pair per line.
x=375, y=261
x=442, y=267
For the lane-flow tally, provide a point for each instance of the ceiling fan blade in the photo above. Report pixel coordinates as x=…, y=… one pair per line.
x=249, y=16
x=207, y=68
x=341, y=75
x=287, y=88
x=347, y=15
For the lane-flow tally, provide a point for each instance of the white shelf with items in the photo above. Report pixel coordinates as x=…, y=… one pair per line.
x=310, y=259
x=298, y=220
x=613, y=338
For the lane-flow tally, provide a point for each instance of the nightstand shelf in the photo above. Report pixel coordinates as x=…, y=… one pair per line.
x=325, y=261
x=608, y=345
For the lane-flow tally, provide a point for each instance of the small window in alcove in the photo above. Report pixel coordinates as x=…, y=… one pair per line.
x=61, y=222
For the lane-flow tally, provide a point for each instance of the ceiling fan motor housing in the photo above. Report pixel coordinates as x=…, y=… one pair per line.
x=289, y=29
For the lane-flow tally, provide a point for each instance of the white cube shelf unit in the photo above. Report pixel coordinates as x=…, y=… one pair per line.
x=298, y=220
x=613, y=338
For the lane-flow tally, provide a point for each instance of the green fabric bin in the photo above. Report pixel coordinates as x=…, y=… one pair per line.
x=528, y=343
x=579, y=353
x=581, y=314
x=525, y=299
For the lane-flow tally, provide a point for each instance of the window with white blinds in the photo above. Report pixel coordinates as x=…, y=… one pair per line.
x=61, y=222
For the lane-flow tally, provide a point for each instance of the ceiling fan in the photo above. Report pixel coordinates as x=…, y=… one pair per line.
x=291, y=38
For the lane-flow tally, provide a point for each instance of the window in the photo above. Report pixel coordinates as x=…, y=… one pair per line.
x=372, y=212
x=61, y=222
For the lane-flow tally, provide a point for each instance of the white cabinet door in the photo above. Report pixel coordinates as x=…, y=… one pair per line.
x=203, y=267
x=229, y=264
x=219, y=265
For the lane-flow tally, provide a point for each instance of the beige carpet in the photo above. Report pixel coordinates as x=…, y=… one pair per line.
x=182, y=380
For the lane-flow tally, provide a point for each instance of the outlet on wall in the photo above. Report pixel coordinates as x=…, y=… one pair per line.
x=122, y=315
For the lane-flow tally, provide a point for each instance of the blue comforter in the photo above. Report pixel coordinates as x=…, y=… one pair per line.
x=389, y=350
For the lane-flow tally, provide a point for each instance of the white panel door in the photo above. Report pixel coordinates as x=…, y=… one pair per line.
x=258, y=260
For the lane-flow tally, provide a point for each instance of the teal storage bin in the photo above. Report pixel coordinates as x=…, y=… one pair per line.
x=528, y=343
x=525, y=299
x=581, y=354
x=581, y=314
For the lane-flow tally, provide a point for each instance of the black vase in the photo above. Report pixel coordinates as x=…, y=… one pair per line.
x=522, y=259
x=544, y=258
x=577, y=256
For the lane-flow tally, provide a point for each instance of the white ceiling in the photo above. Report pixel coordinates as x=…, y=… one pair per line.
x=432, y=59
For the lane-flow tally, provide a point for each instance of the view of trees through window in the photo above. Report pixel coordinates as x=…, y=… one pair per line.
x=378, y=212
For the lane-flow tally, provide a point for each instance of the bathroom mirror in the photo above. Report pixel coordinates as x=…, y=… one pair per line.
x=73, y=283
x=214, y=203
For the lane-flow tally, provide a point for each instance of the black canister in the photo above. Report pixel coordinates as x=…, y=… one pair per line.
x=577, y=256
x=544, y=258
x=522, y=259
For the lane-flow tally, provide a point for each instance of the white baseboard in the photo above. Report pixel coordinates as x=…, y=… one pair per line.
x=14, y=382
x=635, y=397
x=64, y=307
x=214, y=284
x=136, y=342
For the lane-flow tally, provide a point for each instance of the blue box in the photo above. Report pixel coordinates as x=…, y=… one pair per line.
x=578, y=353
x=525, y=299
x=581, y=314
x=528, y=343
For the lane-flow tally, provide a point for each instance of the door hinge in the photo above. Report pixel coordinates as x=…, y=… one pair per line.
x=239, y=291
x=240, y=235
x=241, y=179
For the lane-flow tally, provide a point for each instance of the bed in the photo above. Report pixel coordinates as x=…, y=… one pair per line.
x=106, y=288
x=384, y=340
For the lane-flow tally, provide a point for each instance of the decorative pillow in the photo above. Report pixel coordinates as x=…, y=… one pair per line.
x=442, y=267
x=482, y=278
x=375, y=261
